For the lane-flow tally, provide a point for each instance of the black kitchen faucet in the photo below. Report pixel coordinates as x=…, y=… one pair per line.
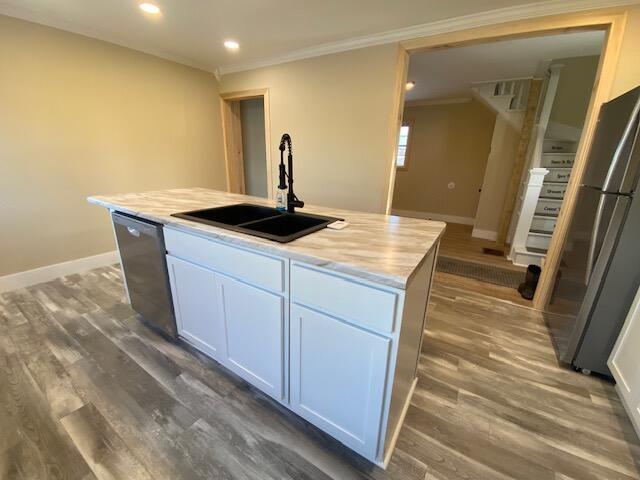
x=292, y=200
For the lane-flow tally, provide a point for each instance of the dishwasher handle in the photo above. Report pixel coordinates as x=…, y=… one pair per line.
x=136, y=226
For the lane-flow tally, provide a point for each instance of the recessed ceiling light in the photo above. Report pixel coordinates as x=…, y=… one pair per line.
x=231, y=45
x=150, y=8
x=410, y=85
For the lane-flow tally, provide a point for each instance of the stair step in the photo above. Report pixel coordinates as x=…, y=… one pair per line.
x=538, y=241
x=526, y=256
x=557, y=145
x=548, y=206
x=558, y=159
x=558, y=175
x=543, y=223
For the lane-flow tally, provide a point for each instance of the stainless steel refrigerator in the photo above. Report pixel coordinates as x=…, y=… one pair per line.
x=599, y=272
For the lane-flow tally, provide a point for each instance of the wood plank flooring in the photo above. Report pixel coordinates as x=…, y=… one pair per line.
x=457, y=242
x=87, y=391
x=484, y=288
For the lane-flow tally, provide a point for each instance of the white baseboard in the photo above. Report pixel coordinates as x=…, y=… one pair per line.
x=14, y=281
x=485, y=234
x=433, y=216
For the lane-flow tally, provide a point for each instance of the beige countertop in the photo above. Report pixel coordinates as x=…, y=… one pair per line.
x=384, y=249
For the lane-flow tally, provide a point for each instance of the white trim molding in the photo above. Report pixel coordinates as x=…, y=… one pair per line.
x=464, y=22
x=47, y=273
x=484, y=234
x=433, y=216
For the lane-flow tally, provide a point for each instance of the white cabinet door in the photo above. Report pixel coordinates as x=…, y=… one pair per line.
x=337, y=377
x=625, y=363
x=196, y=306
x=254, y=322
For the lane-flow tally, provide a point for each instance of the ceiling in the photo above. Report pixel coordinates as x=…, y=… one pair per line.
x=192, y=31
x=449, y=73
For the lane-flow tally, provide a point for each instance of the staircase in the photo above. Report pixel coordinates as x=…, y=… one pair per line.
x=557, y=157
x=544, y=186
x=550, y=157
x=503, y=96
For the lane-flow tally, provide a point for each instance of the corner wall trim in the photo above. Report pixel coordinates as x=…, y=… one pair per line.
x=433, y=216
x=47, y=273
x=464, y=22
x=485, y=234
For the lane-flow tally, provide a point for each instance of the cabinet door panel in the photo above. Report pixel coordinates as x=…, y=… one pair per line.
x=337, y=377
x=254, y=322
x=624, y=362
x=196, y=306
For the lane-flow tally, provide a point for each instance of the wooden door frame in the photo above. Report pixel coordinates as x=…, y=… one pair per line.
x=232, y=137
x=610, y=20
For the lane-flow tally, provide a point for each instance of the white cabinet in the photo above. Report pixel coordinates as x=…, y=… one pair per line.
x=340, y=351
x=239, y=322
x=337, y=377
x=196, y=306
x=254, y=321
x=624, y=363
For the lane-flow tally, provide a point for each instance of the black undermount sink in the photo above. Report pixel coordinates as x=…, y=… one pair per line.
x=265, y=222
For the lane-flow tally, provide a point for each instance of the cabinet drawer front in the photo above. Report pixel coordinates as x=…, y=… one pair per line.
x=361, y=304
x=261, y=270
x=254, y=322
x=338, y=374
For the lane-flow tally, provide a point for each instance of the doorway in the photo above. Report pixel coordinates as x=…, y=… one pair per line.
x=473, y=118
x=611, y=26
x=245, y=126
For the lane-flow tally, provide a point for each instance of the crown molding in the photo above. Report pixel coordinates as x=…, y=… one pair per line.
x=482, y=19
x=436, y=101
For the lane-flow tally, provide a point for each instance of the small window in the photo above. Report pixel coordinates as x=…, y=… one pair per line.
x=402, y=157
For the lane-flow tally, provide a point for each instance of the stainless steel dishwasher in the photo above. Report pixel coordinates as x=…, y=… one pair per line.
x=142, y=252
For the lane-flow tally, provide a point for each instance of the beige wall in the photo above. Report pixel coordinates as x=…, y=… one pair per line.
x=574, y=90
x=80, y=117
x=449, y=143
x=628, y=71
x=337, y=109
x=504, y=147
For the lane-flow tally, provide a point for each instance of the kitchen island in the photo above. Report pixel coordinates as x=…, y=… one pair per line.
x=330, y=325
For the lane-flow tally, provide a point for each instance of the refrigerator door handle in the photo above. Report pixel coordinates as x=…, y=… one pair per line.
x=618, y=151
x=594, y=238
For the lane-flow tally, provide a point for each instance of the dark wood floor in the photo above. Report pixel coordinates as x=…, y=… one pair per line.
x=87, y=391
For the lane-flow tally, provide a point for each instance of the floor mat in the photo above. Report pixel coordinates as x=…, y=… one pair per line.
x=478, y=271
